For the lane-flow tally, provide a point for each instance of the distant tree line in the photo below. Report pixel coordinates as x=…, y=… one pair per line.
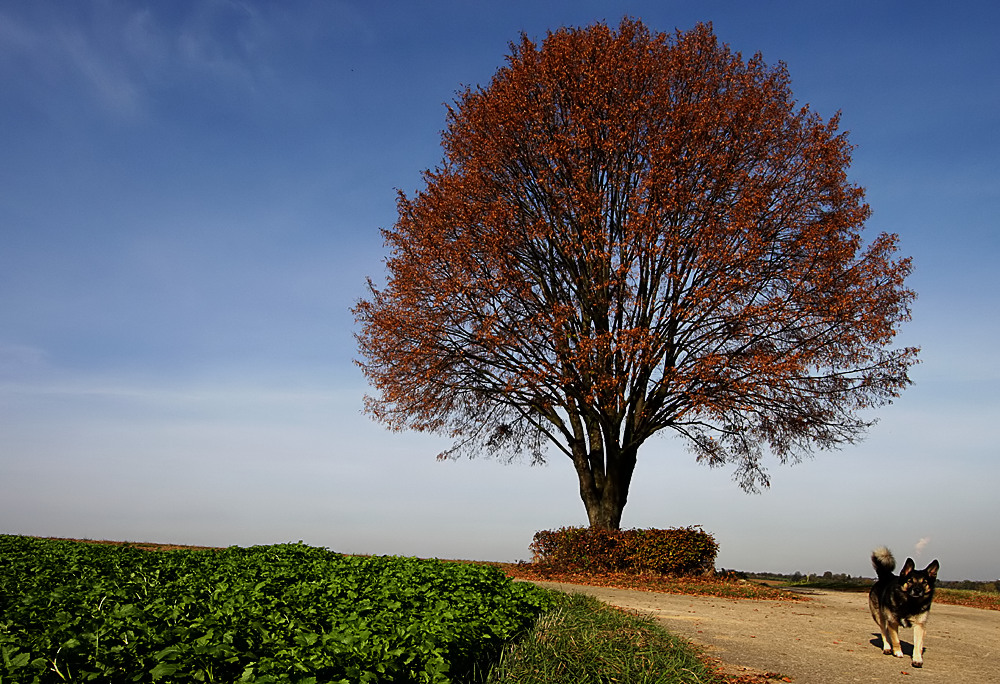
x=972, y=585
x=841, y=579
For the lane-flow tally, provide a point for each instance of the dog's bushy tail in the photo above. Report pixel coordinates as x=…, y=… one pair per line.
x=883, y=562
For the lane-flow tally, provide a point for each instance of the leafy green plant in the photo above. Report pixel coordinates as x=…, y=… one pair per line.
x=283, y=613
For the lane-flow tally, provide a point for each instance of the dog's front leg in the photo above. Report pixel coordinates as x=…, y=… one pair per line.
x=919, y=629
x=892, y=630
x=886, y=645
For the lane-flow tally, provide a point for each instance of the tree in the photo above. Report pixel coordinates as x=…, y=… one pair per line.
x=632, y=232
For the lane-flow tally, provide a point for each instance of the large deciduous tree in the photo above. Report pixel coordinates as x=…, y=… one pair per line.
x=631, y=232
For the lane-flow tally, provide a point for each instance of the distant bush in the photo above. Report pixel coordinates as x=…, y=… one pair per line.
x=677, y=551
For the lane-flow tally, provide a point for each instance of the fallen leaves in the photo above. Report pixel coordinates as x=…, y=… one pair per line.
x=973, y=599
x=699, y=586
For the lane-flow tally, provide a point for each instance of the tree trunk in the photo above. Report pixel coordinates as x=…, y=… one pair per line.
x=605, y=475
x=604, y=513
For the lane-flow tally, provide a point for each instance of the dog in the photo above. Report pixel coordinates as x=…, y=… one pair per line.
x=902, y=600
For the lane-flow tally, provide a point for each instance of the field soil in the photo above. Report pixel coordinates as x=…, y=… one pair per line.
x=829, y=638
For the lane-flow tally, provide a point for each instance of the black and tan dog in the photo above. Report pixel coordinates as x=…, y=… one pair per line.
x=902, y=600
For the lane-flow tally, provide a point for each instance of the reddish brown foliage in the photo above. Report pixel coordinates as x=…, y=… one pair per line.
x=675, y=551
x=633, y=232
x=973, y=599
x=744, y=675
x=703, y=586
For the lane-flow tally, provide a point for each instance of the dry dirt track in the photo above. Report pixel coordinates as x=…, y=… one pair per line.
x=829, y=639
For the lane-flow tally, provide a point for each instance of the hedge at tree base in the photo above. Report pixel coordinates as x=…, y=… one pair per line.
x=676, y=551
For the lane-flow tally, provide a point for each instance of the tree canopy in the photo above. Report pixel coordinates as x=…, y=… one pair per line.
x=633, y=232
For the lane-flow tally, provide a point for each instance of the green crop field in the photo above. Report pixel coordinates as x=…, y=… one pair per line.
x=287, y=613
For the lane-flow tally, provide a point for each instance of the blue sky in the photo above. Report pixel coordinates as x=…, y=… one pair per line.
x=190, y=198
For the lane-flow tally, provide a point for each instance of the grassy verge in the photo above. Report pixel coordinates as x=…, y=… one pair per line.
x=582, y=640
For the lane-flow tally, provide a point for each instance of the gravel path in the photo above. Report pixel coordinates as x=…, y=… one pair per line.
x=828, y=639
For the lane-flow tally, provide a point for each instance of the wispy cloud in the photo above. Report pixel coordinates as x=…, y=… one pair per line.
x=113, y=83
x=20, y=359
x=224, y=40
x=118, y=53
x=221, y=394
x=49, y=51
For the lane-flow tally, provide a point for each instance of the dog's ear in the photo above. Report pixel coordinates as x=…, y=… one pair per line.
x=932, y=569
x=907, y=567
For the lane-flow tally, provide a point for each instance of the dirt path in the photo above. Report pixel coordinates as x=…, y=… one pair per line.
x=829, y=639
